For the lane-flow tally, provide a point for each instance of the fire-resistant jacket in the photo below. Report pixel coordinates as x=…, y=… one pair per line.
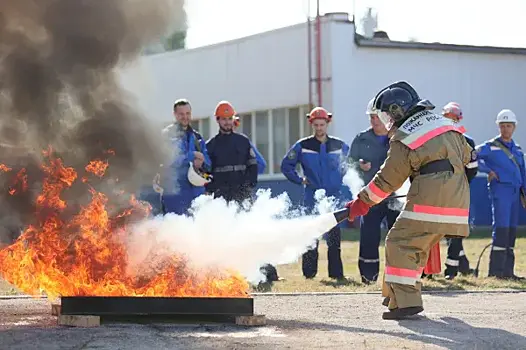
x=436, y=202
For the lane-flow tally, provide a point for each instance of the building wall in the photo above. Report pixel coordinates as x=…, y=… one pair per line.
x=483, y=83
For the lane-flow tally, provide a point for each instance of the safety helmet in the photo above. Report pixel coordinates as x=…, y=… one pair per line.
x=224, y=109
x=370, y=108
x=506, y=116
x=237, y=121
x=397, y=102
x=319, y=113
x=198, y=178
x=452, y=109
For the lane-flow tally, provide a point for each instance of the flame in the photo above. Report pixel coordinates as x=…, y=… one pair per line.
x=85, y=255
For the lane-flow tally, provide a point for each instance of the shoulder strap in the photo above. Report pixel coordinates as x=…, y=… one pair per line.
x=505, y=149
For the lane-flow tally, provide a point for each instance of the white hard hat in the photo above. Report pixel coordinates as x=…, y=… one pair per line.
x=506, y=116
x=370, y=108
x=196, y=178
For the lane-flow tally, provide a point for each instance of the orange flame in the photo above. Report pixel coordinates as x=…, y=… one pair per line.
x=86, y=254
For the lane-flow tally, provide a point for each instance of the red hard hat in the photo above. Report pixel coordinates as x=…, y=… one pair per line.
x=224, y=109
x=452, y=109
x=319, y=113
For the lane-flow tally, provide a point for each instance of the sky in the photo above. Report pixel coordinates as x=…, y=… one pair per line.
x=471, y=22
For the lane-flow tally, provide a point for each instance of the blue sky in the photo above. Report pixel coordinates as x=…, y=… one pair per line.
x=475, y=22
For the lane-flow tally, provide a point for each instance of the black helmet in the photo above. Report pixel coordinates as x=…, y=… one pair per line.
x=399, y=100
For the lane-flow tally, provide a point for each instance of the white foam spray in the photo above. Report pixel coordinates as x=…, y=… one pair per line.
x=353, y=180
x=221, y=235
x=398, y=203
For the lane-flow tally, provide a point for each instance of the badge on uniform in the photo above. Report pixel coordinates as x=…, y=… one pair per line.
x=292, y=154
x=252, y=153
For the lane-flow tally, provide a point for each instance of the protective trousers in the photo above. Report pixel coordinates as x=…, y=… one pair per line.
x=505, y=207
x=406, y=253
x=370, y=234
x=310, y=258
x=456, y=260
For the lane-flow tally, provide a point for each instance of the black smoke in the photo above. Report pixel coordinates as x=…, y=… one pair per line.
x=59, y=89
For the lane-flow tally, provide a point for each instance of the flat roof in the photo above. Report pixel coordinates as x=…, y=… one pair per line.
x=361, y=41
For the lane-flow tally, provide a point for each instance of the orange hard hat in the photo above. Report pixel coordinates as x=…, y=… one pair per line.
x=224, y=109
x=237, y=121
x=319, y=113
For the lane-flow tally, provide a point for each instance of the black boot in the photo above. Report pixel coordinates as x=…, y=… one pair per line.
x=386, y=301
x=402, y=313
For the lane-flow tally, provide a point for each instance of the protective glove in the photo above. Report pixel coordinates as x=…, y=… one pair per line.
x=357, y=207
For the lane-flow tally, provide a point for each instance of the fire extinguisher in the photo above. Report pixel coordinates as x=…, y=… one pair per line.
x=433, y=265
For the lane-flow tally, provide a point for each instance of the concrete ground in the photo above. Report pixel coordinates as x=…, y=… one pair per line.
x=450, y=321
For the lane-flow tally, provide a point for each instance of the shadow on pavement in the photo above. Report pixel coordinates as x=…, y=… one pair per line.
x=447, y=332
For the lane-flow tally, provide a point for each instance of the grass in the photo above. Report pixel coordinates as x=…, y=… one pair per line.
x=473, y=246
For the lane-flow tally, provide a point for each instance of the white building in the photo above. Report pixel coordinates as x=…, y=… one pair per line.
x=266, y=78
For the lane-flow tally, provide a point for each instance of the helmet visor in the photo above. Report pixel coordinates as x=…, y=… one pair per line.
x=386, y=119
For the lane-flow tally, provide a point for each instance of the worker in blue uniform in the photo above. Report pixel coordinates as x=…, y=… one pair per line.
x=368, y=153
x=234, y=166
x=186, y=148
x=262, y=164
x=503, y=160
x=456, y=260
x=323, y=160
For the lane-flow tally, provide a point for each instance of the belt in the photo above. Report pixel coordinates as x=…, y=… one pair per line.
x=229, y=168
x=436, y=166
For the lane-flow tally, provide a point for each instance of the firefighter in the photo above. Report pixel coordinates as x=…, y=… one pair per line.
x=259, y=157
x=503, y=160
x=322, y=158
x=432, y=151
x=177, y=186
x=369, y=150
x=234, y=166
x=456, y=260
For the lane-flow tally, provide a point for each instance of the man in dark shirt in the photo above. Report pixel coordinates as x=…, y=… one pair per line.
x=369, y=151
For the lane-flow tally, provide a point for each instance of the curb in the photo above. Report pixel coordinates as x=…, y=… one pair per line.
x=429, y=292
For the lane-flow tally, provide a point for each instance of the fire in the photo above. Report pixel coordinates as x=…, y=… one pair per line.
x=85, y=255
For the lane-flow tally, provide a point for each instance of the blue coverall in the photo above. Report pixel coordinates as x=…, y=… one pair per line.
x=505, y=197
x=262, y=164
x=324, y=167
x=178, y=191
x=456, y=260
x=372, y=148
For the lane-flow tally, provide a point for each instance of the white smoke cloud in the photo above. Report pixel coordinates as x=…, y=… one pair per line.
x=221, y=235
x=398, y=203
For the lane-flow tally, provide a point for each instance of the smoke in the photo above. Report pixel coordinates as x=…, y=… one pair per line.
x=58, y=89
x=221, y=235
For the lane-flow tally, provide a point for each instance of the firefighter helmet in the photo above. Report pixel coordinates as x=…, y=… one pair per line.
x=397, y=102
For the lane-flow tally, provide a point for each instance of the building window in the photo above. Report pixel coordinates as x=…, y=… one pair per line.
x=246, y=124
x=307, y=128
x=274, y=131
x=263, y=136
x=280, y=143
x=202, y=126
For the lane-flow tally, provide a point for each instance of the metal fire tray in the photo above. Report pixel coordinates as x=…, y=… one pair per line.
x=157, y=306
